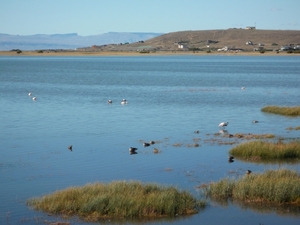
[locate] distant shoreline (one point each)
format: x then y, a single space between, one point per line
123 53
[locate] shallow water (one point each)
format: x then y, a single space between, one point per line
169 97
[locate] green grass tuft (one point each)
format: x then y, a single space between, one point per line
287 111
119 199
277 187
260 150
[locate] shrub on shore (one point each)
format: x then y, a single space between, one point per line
287 111
262 150
118 199
273 186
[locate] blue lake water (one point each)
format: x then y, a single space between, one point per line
169 97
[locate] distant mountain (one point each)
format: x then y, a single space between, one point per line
69 41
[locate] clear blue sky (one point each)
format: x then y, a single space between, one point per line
90 17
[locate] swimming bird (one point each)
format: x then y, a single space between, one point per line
155 151
230 157
124 101
243 88
223 124
109 101
34 98
248 172
70 147
254 121
152 142
146 144
132 150
29 94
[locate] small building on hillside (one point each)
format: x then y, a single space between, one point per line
182 46
250 28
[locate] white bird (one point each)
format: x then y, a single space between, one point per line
124 101
223 124
29 94
243 88
34 98
109 101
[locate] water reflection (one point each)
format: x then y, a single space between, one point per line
262 208
144 220
280 162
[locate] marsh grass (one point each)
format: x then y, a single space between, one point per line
261 150
274 186
119 199
287 111
293 128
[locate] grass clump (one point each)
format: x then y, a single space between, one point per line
117 200
287 111
274 186
293 128
261 150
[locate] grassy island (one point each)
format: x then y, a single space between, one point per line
286 111
273 186
262 150
119 199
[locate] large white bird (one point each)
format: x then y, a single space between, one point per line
223 124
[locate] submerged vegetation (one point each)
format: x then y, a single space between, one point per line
260 150
277 187
287 111
118 199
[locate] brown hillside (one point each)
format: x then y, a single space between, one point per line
233 38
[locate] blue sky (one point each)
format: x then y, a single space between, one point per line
91 17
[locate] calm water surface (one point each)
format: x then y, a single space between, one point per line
169 97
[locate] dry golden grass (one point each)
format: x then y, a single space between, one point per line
120 199
273 186
260 150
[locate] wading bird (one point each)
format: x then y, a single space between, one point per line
223 124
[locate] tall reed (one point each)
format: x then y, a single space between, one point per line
261 150
274 186
287 111
118 199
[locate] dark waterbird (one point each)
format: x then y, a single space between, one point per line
70 147
248 172
132 150
146 144
230 159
